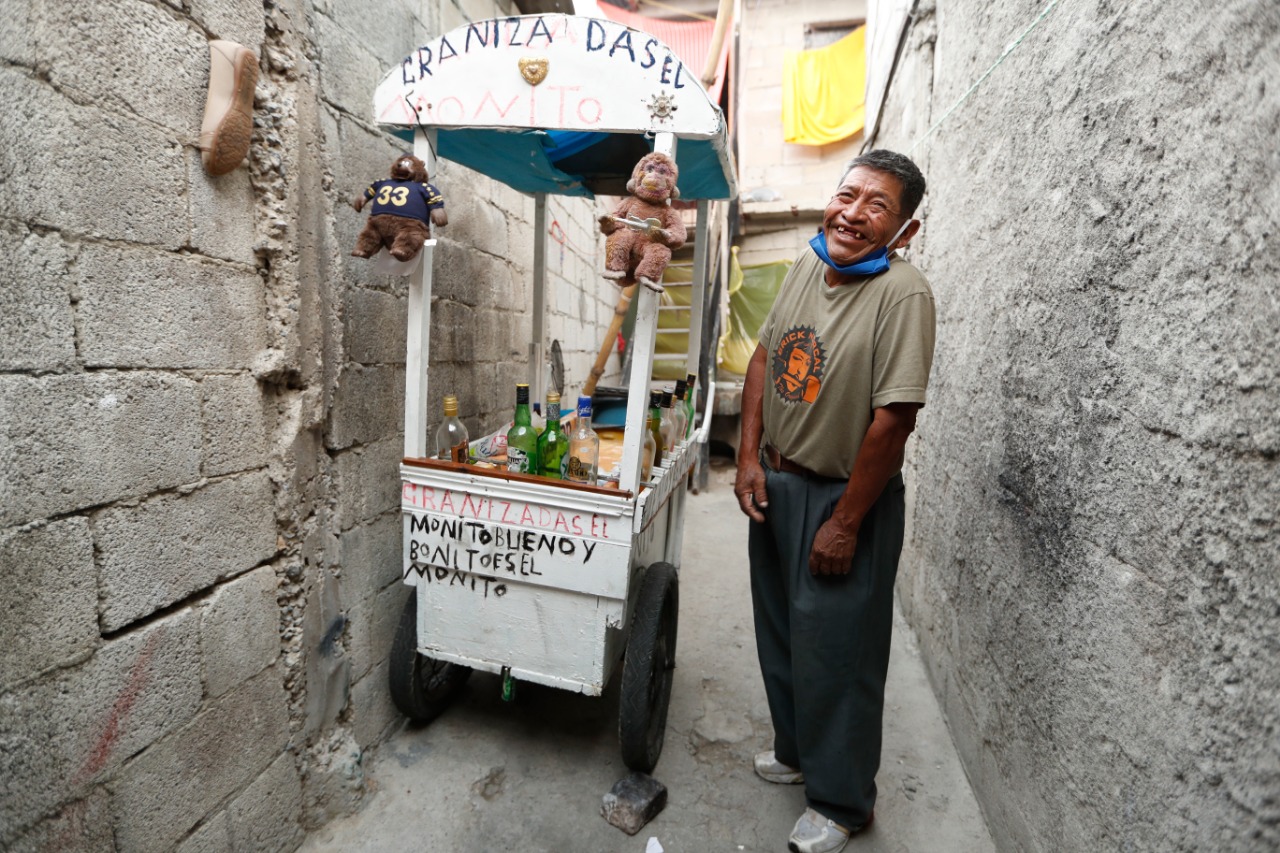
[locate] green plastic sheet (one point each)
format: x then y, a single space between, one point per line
752 290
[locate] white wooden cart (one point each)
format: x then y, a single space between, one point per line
538 580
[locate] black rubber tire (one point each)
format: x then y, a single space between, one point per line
647 669
421 687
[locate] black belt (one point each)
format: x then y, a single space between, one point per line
774 458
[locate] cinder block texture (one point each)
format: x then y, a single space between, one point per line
375 326
237 20
210 837
49 589
68 442
140 308
1091 558
166 548
389 35
17 41
235 431
140 198
240 630
372 627
64 732
368 405
371 556
160 79
222 221
367 482
349 72
37 330
158 796
375 713
264 818
83 826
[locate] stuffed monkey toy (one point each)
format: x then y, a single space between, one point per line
401 206
644 228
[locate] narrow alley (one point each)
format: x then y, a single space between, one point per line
529 776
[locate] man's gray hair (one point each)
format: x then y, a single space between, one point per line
901 167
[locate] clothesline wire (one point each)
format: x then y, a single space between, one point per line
1009 49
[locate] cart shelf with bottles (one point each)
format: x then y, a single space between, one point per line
538 580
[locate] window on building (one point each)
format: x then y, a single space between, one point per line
829 32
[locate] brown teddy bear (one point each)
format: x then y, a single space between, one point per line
401 207
644 228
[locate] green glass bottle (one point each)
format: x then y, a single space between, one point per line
655 425
522 439
553 443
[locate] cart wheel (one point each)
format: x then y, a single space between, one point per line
646 670
421 687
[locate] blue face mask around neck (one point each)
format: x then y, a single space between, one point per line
872 264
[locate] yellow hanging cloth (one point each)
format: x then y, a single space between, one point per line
824 91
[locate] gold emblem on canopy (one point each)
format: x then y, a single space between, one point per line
533 69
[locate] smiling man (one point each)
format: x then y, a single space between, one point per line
831 396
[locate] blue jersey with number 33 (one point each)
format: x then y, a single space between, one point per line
403 198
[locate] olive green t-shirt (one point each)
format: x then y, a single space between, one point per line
836 353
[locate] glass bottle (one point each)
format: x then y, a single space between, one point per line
655 425
690 409
678 412
668 425
584 447
452 440
553 444
522 440
647 455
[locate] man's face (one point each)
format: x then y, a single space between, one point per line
863 214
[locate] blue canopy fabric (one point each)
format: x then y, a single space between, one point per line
525 160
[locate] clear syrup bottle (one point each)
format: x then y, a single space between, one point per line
452 440
668 426
584 447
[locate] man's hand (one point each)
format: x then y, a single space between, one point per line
833 547
750 491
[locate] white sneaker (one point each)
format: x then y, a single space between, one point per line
817 834
770 769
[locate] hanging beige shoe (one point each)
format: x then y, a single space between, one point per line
228 112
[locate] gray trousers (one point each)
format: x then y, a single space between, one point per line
823 641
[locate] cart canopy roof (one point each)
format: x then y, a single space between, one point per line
558 104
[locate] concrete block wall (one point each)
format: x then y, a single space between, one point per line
201 407
803 176
1092 547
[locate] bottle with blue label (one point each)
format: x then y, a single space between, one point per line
584 447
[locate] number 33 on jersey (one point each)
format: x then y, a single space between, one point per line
403 198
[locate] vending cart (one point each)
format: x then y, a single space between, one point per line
538 580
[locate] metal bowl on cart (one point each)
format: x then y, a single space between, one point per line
540 580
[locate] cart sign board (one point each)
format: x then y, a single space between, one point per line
481 545
559 72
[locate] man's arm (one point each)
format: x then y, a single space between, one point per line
878 459
749 486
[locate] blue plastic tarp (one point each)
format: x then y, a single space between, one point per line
526 159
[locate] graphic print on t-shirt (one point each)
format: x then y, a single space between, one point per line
799 362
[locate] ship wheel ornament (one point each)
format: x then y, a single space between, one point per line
662 107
